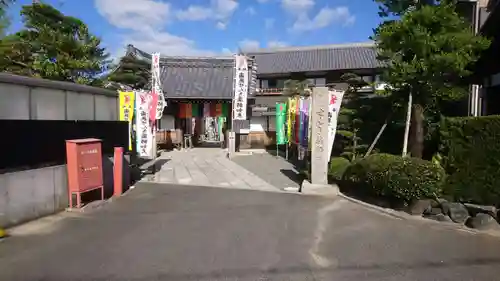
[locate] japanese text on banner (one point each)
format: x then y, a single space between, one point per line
144 134
240 88
127 112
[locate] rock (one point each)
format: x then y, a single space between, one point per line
476 209
457 212
445 206
482 221
418 207
439 217
433 211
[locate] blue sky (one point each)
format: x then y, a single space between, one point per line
213 27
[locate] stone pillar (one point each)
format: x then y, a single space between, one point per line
319 136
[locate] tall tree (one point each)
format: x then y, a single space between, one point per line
53 46
427 52
4 19
132 72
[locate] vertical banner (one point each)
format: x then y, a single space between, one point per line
289 120
127 112
156 86
240 88
280 123
144 134
152 102
291 126
195 110
333 114
218 109
206 110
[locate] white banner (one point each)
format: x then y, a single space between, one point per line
156 84
144 134
333 114
240 88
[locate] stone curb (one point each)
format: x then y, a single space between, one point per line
405 216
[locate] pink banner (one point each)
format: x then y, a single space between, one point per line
152 104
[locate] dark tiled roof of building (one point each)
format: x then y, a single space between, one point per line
196 78
316 58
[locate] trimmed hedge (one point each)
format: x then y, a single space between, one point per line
470 147
338 165
395 178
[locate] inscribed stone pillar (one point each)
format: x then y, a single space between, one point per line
319 136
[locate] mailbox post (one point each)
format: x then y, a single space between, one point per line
84 163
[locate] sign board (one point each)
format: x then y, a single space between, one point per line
240 88
280 124
240 126
335 97
144 133
127 105
319 134
156 85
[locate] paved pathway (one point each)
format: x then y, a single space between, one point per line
188 233
275 170
205 167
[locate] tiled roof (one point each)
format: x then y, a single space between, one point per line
316 58
196 78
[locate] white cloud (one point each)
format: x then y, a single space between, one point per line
221 25
248 45
220 10
324 18
297 7
276 44
165 43
134 14
250 10
269 23
143 23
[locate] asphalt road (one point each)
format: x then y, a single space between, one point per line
190 233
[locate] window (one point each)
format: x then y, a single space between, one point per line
271 83
317 81
280 83
367 79
264 84
320 82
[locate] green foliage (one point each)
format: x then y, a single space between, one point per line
338 165
395 178
470 149
53 46
427 52
297 87
132 72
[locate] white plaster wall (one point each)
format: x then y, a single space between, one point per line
14 102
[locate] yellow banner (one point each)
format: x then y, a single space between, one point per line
127 112
292 106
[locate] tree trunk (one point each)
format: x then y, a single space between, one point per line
407 126
417 132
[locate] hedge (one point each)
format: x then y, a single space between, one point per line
470 150
395 178
338 165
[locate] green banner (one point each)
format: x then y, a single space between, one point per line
280 123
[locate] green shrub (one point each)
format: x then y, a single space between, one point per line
395 178
338 165
470 147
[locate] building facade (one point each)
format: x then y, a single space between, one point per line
199 91
486 78
319 65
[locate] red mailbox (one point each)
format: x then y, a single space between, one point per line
84 162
